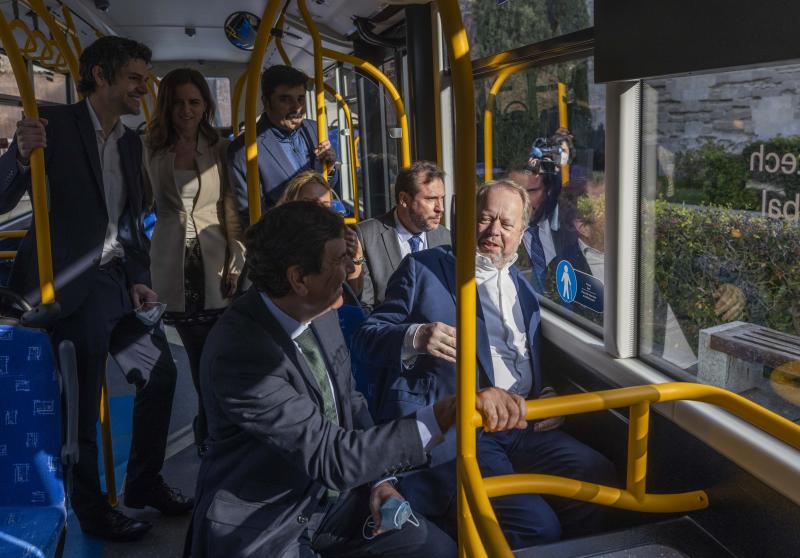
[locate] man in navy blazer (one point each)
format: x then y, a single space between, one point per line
287 141
97 203
412 336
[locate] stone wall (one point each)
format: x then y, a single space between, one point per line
731 108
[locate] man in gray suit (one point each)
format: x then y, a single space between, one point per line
412 225
295 466
287 141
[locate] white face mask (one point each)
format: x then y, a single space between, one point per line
150 312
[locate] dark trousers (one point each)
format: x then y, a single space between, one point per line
104 324
341 534
530 519
193 338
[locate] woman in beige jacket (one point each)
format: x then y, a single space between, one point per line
197 251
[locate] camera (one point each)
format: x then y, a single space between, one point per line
547 156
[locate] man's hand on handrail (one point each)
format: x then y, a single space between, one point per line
30 135
500 410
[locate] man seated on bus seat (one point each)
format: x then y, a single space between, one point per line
287 141
413 224
294 464
412 335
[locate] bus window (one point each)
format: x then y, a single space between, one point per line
221 92
8 85
548 135
720 269
494 26
49 86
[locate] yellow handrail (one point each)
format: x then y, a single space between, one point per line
634 496
347 116
76 40
405 149
13 234
39 202
319 78
253 72
563 122
464 100
488 115
58 36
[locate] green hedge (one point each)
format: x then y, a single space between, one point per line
698 248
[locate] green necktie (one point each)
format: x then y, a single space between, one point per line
310 348
308 344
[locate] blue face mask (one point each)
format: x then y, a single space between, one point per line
394 513
150 312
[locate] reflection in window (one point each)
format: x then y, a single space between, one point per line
221 92
49 85
547 134
494 27
721 237
8 85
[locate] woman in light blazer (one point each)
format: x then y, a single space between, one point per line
197 250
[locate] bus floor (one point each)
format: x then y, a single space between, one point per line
166 538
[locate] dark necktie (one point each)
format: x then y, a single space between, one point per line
538 260
415 242
313 355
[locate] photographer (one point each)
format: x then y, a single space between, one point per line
545 237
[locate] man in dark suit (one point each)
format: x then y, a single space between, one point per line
292 447
412 225
411 334
287 141
97 202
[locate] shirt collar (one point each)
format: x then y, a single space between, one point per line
552 221
484 264
292 327
402 231
116 131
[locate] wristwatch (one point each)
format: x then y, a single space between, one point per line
359 261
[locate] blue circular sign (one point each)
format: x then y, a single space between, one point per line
566 282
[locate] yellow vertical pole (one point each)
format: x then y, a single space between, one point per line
464 97
563 122
69 56
40 213
405 148
73 33
638 428
319 78
250 109
488 115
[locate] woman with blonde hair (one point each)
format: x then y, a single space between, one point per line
311 186
197 249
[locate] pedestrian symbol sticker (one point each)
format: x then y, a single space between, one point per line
566 281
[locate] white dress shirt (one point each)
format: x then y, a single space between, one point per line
505 327
113 183
429 432
505 323
403 234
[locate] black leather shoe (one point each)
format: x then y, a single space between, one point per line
169 501
113 525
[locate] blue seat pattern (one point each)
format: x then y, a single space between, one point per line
32 499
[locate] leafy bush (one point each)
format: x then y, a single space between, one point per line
719 174
699 248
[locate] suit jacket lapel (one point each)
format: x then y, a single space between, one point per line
272 148
530 312
389 237
262 314
89 138
484 356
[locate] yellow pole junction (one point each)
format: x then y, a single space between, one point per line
634 497
40 213
347 116
58 36
405 149
251 108
319 78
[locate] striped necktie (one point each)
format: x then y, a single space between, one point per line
538 261
415 242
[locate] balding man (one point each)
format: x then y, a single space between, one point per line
412 334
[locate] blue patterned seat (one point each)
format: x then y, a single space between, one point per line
32 499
